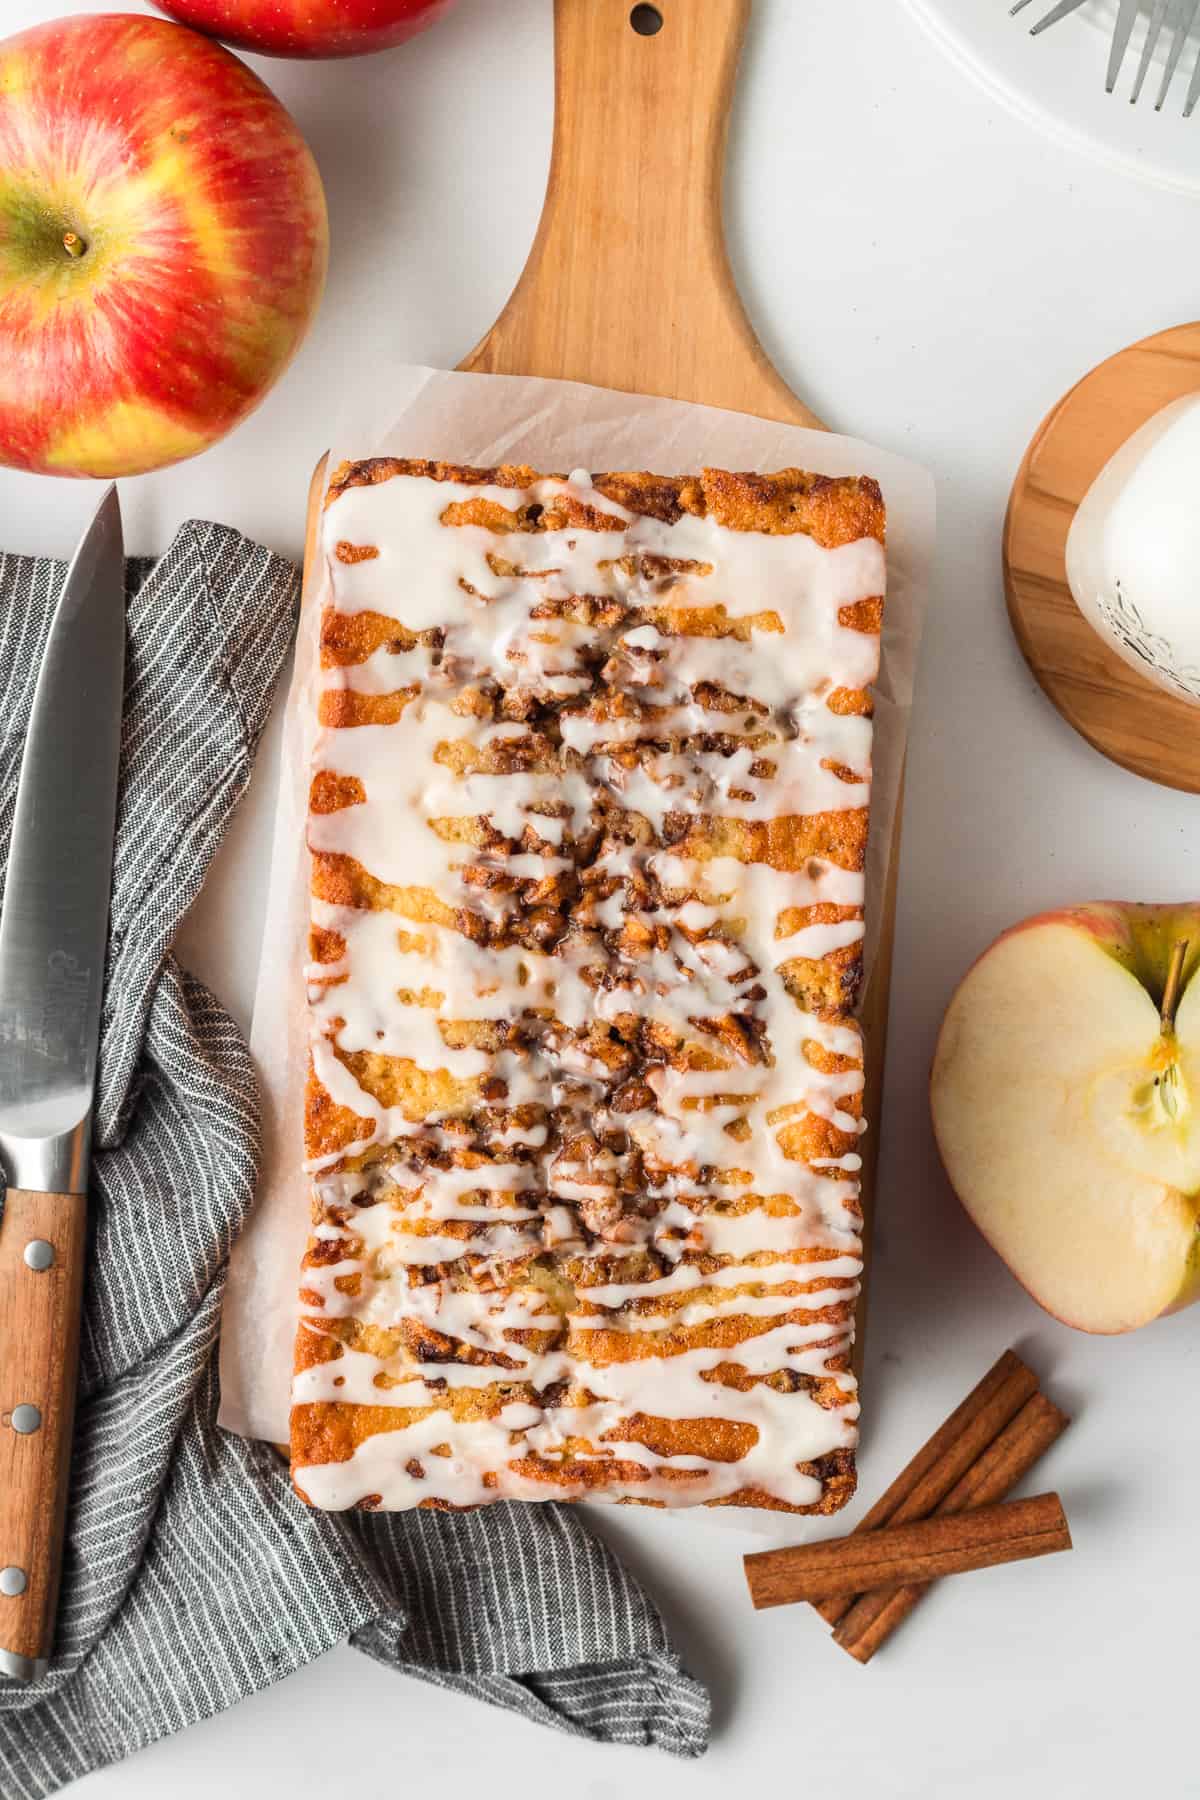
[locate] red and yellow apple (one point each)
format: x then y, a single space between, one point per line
163 244
1066 1106
308 27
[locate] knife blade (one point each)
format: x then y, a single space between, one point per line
53 938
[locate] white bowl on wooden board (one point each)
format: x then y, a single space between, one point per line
1146 725
1133 550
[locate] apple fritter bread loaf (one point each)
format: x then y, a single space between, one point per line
588 823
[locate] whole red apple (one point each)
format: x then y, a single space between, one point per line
308 27
163 244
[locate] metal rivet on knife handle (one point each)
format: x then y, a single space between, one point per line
26 1419
39 1255
12 1581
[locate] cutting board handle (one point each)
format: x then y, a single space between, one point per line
632 216
640 124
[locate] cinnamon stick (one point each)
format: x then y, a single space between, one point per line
871 1619
899 1556
947 1456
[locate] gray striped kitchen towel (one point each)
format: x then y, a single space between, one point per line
193 1575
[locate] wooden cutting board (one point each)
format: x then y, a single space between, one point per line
628 284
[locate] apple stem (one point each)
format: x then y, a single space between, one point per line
73 244
1170 999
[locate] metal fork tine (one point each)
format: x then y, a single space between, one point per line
1055 14
1193 93
1153 32
1185 18
1177 15
1126 19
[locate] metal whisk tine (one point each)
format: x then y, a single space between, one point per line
1185 18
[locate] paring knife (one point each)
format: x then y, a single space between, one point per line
53 934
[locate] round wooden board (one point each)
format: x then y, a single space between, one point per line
1119 712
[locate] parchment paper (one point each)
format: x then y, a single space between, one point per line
552 425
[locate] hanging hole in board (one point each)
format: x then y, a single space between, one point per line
646 20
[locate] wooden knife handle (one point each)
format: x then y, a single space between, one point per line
43 1240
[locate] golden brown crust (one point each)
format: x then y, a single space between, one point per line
537 914
833 509
325 1432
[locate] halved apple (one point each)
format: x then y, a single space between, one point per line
1066 1107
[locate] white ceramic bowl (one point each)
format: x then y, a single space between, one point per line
1133 551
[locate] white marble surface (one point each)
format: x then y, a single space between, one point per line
927 272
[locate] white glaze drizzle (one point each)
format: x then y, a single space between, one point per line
449 1298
